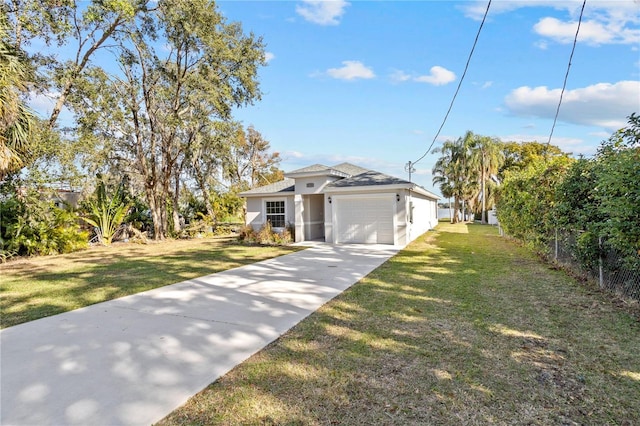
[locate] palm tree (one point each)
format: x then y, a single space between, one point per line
16 119
487 157
452 172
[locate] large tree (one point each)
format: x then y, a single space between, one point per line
251 162
486 158
453 171
81 28
182 68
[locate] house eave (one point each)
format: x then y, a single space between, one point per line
367 188
378 188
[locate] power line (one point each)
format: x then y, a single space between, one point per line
410 164
566 76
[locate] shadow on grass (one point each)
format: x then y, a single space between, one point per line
93 276
464 329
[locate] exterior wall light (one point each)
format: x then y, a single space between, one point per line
397 197
329 198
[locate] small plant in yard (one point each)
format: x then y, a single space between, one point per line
106 213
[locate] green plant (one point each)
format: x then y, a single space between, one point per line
30 224
106 213
266 235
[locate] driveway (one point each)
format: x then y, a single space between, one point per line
131 361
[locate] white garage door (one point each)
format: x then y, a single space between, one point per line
364 220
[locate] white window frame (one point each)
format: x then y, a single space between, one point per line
284 212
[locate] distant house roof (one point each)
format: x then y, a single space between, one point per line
283 186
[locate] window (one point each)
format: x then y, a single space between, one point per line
275 213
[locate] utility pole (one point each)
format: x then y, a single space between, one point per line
409 168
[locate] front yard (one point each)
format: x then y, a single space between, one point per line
43 286
461 327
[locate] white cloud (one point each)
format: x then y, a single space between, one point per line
398 76
269 56
322 12
605 105
591 32
487 84
438 76
351 70
604 22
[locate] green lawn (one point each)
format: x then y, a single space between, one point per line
43 286
461 327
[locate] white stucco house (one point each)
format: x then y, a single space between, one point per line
344 204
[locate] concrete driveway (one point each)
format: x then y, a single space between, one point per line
131 361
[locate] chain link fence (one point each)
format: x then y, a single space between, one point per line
608 270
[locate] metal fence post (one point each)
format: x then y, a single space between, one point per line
600 271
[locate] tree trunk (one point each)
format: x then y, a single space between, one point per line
484 195
177 226
201 181
456 208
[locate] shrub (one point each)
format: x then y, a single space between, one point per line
266 235
32 226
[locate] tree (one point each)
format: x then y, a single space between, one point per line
79 28
205 168
251 163
520 155
527 199
452 171
150 116
16 119
486 158
617 194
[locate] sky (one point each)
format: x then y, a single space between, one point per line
370 82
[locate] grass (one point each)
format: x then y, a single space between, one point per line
461 327
42 286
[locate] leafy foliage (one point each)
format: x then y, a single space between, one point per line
16 119
465 171
106 212
266 235
30 224
527 198
597 197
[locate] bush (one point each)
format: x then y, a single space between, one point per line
31 225
266 235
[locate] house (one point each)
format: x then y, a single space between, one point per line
343 204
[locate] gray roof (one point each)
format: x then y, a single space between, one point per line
356 177
350 169
310 169
368 178
285 185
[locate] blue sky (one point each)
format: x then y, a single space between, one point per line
369 82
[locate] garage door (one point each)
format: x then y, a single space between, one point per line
364 220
